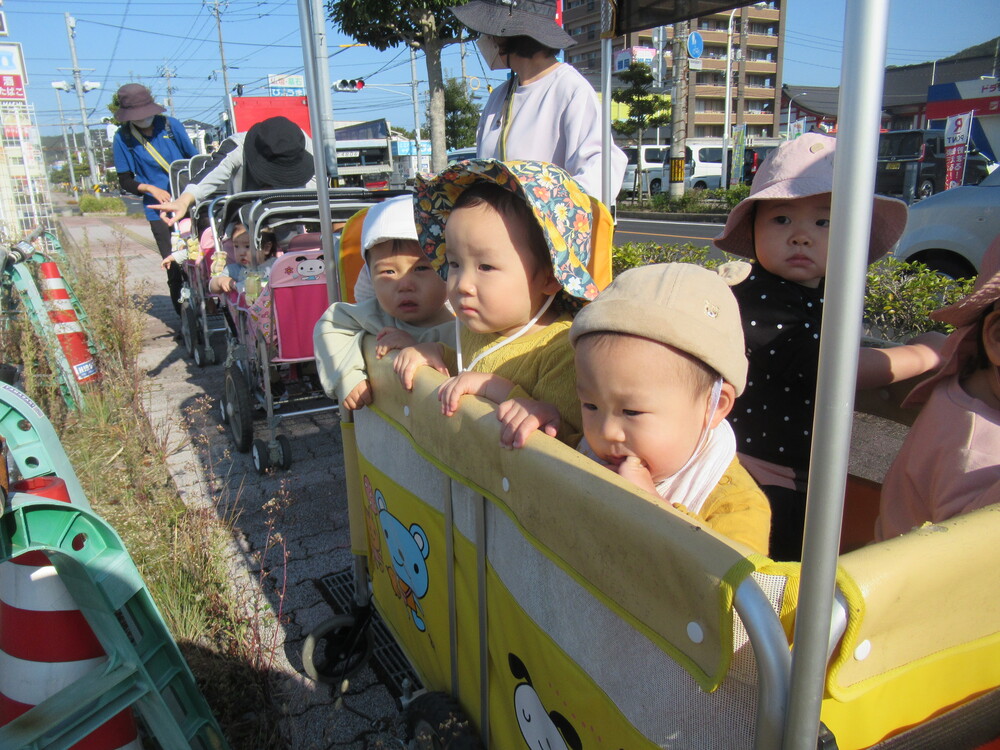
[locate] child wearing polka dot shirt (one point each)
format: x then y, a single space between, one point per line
784 226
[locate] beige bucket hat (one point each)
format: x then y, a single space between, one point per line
682 305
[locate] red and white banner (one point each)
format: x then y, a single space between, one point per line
956 145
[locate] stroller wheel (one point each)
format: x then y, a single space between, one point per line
435 721
284 457
337 649
222 410
188 322
199 355
260 456
238 409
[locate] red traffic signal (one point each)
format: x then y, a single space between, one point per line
350 85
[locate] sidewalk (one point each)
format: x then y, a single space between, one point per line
309 511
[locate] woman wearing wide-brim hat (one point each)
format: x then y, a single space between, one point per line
273 154
546 111
144 146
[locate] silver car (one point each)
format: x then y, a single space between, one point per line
950 231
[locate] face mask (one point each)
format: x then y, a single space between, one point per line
143 123
490 51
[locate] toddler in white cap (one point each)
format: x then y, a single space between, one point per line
408 306
659 363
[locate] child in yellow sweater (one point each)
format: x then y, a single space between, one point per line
516 238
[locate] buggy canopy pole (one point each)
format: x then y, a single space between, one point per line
862 72
607 31
312 23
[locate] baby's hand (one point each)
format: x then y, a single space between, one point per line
224 284
452 390
412 357
359 397
390 338
522 416
635 471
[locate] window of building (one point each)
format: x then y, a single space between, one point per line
709 105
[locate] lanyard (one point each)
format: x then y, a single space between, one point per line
149 147
508 115
490 350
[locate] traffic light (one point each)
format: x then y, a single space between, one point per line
350 85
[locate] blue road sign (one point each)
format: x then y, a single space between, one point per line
696 45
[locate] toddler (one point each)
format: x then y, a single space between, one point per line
659 362
234 275
784 226
950 461
516 237
408 304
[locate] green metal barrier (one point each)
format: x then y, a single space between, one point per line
144 669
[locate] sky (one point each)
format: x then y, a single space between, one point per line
124 41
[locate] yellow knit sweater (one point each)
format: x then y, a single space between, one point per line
539 364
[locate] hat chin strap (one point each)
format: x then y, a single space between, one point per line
485 353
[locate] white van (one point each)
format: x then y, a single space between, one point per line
654 177
703 163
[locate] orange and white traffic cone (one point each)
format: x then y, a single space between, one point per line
70 333
46 643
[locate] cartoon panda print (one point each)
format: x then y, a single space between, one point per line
540 730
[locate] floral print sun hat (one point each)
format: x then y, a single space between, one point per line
558 203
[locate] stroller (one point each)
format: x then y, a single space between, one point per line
269 363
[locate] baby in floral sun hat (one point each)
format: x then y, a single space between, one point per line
514 242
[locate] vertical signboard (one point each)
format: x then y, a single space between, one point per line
956 143
12 74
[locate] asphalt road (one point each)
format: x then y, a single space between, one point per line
665 232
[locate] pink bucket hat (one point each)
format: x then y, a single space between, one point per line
800 169
961 343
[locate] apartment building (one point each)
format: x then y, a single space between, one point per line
757 45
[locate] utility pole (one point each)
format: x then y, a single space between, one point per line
225 70
678 110
168 74
416 105
465 78
64 86
78 84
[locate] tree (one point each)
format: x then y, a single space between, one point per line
461 115
646 110
420 24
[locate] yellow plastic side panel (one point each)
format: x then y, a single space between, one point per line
539 697
351 261
409 572
355 497
914 694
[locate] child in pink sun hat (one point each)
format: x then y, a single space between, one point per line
784 226
950 461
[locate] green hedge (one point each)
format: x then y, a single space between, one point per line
91 204
899 296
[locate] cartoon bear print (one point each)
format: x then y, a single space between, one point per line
407 550
540 730
309 269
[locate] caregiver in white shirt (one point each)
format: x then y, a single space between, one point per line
546 111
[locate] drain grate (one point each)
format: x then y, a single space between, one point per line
388 662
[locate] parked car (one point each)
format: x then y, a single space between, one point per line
900 151
653 170
461 154
950 231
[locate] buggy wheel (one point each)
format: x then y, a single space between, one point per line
337 649
188 323
283 459
238 411
222 409
435 721
260 455
199 355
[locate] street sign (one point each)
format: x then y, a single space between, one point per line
695 45
286 85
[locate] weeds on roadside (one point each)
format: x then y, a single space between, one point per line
182 552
